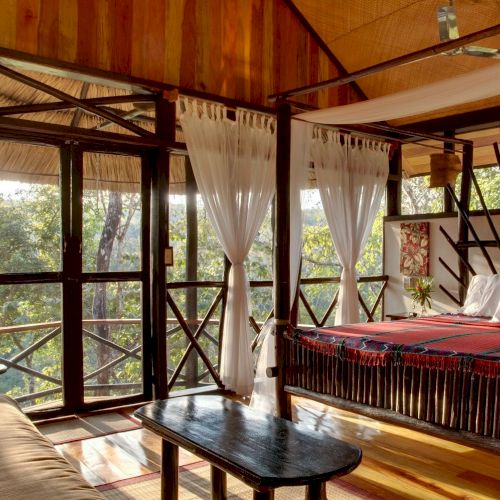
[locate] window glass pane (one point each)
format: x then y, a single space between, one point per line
30 343
112 339
489 183
30 208
111 213
418 198
210 256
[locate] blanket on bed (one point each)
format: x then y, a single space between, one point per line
447 342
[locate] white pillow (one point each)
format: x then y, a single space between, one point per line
472 303
496 316
491 296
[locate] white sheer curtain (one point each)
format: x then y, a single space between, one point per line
234 167
264 392
351 175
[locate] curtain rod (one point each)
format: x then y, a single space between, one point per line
400 140
233 107
382 126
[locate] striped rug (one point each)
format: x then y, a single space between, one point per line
194 484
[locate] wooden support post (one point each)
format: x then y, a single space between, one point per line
462 259
282 250
463 230
147 352
465 217
483 203
227 268
316 491
160 165
71 188
191 267
394 183
449 147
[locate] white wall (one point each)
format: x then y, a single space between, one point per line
397 299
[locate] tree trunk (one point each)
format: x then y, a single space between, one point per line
103 257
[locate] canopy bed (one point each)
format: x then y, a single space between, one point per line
443 370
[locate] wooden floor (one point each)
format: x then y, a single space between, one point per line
397 462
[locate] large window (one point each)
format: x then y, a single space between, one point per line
71 280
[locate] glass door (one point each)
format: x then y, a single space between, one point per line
114 277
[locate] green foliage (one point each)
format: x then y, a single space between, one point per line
421 293
418 198
489 183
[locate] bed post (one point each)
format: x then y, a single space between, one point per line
282 251
463 231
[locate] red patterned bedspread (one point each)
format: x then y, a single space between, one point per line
448 341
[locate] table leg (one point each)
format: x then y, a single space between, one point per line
218 477
316 491
169 471
259 495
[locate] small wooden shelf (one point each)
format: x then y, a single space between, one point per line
400 315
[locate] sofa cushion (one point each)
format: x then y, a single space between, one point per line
30 466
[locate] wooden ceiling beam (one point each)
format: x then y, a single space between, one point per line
58 94
418 55
134 114
60 105
78 113
10 127
322 45
65 69
463 122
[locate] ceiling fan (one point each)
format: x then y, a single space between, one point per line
448 30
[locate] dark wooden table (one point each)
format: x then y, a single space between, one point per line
265 452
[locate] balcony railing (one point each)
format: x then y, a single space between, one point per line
44 384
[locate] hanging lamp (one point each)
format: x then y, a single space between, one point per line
444 169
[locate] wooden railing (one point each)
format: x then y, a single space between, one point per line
193 329
54 327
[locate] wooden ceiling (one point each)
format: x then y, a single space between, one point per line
416 157
362 33
248 49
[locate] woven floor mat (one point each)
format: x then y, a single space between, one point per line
194 484
78 428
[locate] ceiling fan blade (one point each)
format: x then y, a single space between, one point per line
481 52
447 22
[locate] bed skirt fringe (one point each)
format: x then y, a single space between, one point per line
455 392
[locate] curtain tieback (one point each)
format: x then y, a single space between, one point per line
348 271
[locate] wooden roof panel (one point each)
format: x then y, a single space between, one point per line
362 33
